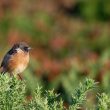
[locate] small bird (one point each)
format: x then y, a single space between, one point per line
16 59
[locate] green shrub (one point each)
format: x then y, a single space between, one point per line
13 96
103 102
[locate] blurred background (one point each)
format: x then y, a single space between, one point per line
70 41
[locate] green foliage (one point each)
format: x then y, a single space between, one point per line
80 93
46 102
103 102
13 96
12 93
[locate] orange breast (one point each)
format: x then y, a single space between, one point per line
18 62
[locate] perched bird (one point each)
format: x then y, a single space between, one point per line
16 59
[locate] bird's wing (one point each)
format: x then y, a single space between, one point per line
4 63
5 60
7 57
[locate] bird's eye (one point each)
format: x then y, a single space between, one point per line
26 49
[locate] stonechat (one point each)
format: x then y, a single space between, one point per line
16 59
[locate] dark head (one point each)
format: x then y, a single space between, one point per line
22 45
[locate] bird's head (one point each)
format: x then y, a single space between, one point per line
21 46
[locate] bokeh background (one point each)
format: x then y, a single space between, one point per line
70 41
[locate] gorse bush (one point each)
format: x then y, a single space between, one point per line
80 93
104 102
13 96
12 93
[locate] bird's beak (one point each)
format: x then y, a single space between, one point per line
29 48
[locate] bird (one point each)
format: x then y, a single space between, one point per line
16 59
